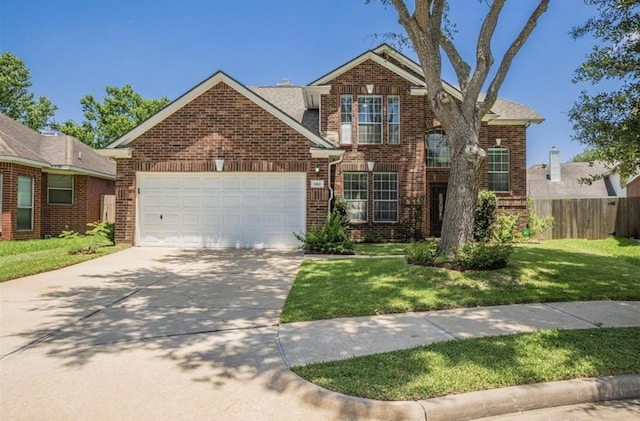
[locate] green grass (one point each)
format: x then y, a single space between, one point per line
23 258
381 249
482 363
558 270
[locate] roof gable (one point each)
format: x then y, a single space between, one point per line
215 79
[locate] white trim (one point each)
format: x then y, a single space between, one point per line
115 153
309 93
326 153
369 55
497 122
216 78
56 168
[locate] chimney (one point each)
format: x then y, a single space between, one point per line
285 82
554 164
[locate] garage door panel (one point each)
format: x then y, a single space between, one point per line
221 209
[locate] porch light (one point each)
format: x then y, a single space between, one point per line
317 170
219 164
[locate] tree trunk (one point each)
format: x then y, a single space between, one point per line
462 190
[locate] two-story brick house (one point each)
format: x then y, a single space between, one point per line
230 166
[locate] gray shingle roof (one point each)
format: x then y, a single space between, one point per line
506 110
290 100
18 142
538 184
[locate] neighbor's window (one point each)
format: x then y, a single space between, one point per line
60 189
369 119
498 169
393 119
25 203
385 197
438 155
356 185
346 118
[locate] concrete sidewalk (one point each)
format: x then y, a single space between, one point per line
327 340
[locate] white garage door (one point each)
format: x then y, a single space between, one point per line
239 210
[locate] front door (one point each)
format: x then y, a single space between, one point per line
438 196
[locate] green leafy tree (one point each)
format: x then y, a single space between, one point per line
609 122
428 31
15 99
121 110
587 155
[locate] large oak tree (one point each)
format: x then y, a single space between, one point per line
608 122
426 27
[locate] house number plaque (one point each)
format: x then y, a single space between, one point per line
317 184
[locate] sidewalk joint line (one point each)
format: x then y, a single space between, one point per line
280 349
442 329
571 315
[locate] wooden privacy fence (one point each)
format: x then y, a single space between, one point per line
591 219
108 208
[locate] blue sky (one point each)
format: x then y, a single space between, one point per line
164 48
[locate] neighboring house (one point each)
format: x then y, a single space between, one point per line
633 187
558 180
226 165
48 183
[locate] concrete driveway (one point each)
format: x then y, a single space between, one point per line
150 333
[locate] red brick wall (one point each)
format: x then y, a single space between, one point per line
87 192
10 173
633 188
408 158
220 123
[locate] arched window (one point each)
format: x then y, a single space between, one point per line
438 155
498 168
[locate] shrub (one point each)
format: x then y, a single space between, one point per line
373 238
485 215
101 229
504 227
537 225
332 237
482 255
422 252
340 208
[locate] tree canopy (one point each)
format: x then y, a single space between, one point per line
121 110
427 28
608 122
15 99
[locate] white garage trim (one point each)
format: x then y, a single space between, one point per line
216 209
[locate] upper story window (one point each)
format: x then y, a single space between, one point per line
346 118
356 187
25 203
498 158
60 189
369 119
393 119
438 155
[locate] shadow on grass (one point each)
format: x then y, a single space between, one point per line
469 365
353 287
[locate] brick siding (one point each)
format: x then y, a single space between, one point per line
220 123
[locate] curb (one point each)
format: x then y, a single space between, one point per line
468 406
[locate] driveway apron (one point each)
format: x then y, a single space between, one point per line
150 333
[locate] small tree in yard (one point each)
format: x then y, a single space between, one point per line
425 26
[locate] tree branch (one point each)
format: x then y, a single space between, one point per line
460 66
484 57
496 83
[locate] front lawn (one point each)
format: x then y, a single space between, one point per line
381 249
482 363
557 270
23 258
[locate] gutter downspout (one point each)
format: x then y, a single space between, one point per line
339 160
